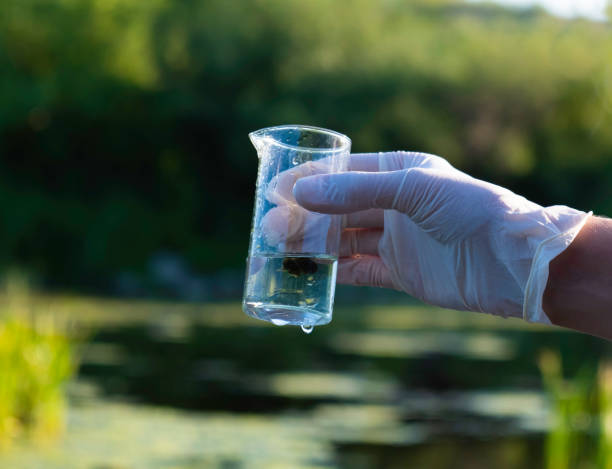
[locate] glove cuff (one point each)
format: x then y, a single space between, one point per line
569 223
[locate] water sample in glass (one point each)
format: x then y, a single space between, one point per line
293 255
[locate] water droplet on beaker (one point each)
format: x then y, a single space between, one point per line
307 328
296 160
279 322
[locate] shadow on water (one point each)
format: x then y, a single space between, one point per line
445 453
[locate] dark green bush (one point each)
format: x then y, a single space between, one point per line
123 124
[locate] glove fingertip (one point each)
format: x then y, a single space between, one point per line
306 191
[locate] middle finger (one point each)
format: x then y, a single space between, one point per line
371 218
363 242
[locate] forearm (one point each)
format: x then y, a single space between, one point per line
578 294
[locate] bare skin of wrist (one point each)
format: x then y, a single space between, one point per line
578 294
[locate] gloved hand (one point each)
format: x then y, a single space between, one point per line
419 225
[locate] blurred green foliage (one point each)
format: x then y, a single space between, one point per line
123 123
580 432
37 357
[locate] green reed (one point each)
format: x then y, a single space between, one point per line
36 360
580 434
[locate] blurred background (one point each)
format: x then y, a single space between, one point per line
126 193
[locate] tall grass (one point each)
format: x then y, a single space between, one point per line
605 415
36 361
581 428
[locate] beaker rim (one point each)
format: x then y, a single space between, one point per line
345 142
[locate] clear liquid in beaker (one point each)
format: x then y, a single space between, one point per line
287 288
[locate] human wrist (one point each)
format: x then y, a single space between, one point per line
564 225
578 294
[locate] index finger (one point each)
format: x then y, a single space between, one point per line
280 187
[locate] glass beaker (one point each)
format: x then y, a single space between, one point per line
293 253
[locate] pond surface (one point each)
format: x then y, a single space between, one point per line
165 385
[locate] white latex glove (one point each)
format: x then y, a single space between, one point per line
419 225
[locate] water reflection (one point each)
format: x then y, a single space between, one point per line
478 345
329 385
